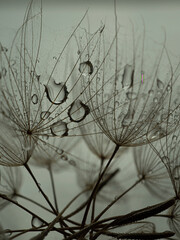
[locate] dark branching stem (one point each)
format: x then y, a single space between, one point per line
31 200
138 215
40 189
97 185
119 197
125 219
140 236
53 188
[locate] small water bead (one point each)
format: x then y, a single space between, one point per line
128 118
168 88
78 111
34 99
35 222
127 77
56 92
131 95
59 128
72 162
44 115
64 157
151 92
3 72
176 173
155 100
86 68
4 49
160 84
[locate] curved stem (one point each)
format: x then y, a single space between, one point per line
97 185
31 200
120 196
40 189
53 188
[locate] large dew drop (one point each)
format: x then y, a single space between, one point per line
86 68
56 92
78 111
127 77
59 128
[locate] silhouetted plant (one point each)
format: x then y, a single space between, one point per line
82 114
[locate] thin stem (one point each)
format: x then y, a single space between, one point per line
97 185
53 188
40 189
31 200
22 207
116 199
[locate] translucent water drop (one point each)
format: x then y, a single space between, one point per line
35 222
131 95
59 128
86 68
64 157
176 173
78 111
165 159
56 92
168 88
44 115
128 118
155 100
150 92
160 84
34 99
128 77
3 72
4 49
72 162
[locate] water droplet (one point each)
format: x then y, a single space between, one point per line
44 115
64 157
176 173
128 118
165 159
131 95
34 99
168 88
3 72
155 100
150 92
160 84
86 68
72 162
4 49
56 92
35 222
59 128
128 77
78 111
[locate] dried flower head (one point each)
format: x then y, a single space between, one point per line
174 218
133 89
152 171
168 151
10 183
37 101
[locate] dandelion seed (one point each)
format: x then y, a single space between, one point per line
10 183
